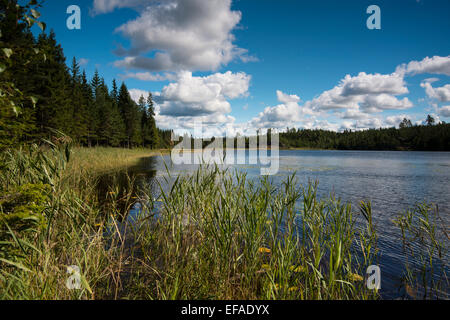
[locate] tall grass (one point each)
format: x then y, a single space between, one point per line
50 220
424 235
219 235
215 234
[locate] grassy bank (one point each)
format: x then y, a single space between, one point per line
214 235
102 159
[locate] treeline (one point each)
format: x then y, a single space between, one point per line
41 94
430 137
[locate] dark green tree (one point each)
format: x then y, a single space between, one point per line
406 123
19 56
131 117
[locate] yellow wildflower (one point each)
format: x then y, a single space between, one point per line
355 277
264 250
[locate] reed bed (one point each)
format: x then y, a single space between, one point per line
212 235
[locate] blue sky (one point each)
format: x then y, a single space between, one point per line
246 64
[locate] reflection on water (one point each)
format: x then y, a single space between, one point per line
126 186
392 181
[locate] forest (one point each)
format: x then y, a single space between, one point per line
408 137
40 94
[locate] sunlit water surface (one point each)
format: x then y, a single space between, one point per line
392 181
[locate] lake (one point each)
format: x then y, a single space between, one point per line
392 181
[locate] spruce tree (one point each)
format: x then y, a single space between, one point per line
118 137
18 55
130 114
153 129
80 116
88 101
54 107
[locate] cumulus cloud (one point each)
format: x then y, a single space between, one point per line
434 65
355 103
442 94
287 98
377 103
445 111
136 94
105 6
313 123
354 98
191 99
353 114
394 121
431 80
213 125
287 113
147 76
368 124
373 84
369 92
198 96
177 34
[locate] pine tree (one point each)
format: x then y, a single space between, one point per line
94 110
130 114
154 133
118 136
145 133
88 101
80 115
54 108
17 114
39 92
115 92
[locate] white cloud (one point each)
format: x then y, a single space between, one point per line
286 98
313 123
353 114
147 76
285 114
378 103
370 92
136 94
354 98
431 80
445 111
197 96
178 34
351 104
442 94
394 121
182 104
373 84
368 123
105 6
434 65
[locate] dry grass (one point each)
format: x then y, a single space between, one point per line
214 235
102 160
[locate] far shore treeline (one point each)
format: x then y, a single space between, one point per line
40 93
429 137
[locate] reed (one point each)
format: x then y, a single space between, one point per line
214 234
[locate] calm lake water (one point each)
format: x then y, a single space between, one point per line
392 181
